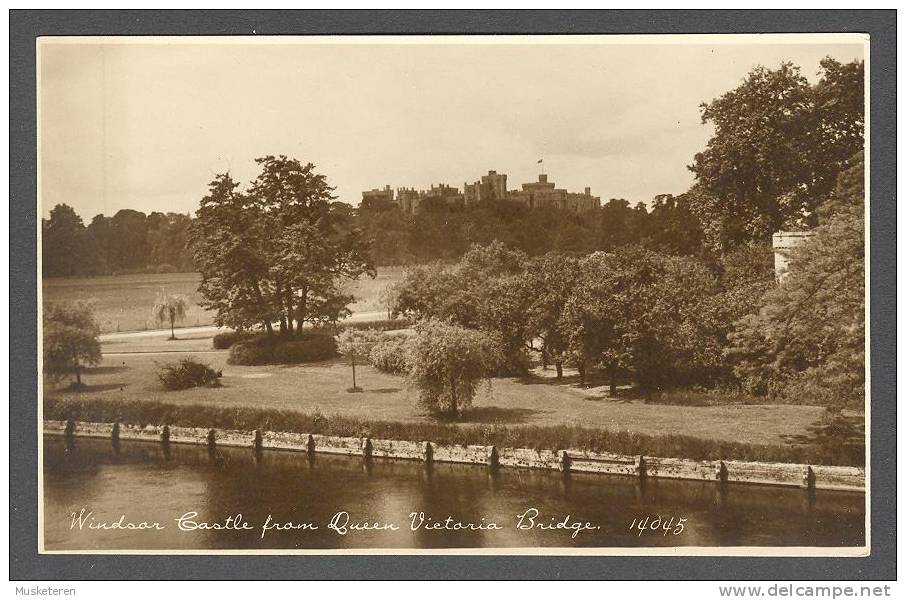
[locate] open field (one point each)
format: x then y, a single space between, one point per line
127 374
123 302
368 291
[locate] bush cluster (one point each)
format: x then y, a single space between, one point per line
223 341
379 325
308 348
264 350
389 355
187 373
255 351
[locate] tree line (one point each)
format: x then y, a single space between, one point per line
658 321
128 242
131 241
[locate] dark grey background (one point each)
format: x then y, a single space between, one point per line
26 563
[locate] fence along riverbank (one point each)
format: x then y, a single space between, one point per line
813 477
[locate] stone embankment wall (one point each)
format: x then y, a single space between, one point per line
580 461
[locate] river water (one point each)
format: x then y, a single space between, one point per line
144 482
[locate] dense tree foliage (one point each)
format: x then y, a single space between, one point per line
447 364
806 341
277 252
550 281
442 232
485 290
637 312
70 339
65 243
128 242
778 145
655 319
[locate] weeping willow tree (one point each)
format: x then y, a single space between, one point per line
170 308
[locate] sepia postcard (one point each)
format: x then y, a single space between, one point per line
539 295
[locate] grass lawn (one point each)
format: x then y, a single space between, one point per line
367 291
127 373
123 302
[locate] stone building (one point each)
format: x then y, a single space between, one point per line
378 195
783 242
444 192
490 187
541 194
408 199
544 194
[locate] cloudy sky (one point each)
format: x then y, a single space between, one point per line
147 125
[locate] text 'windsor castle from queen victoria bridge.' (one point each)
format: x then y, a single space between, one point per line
493 186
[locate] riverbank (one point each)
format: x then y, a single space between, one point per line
535 437
808 476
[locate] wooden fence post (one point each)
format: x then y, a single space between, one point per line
808 478
493 459
565 461
640 467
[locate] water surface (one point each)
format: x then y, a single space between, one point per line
144 482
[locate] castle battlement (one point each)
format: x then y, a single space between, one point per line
489 188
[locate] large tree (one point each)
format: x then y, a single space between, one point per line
63 244
550 280
778 145
228 242
168 239
129 239
637 312
279 252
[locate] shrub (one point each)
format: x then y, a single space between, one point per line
310 347
389 355
263 350
162 268
225 340
187 373
253 351
379 324
70 339
448 363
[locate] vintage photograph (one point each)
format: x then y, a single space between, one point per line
564 294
